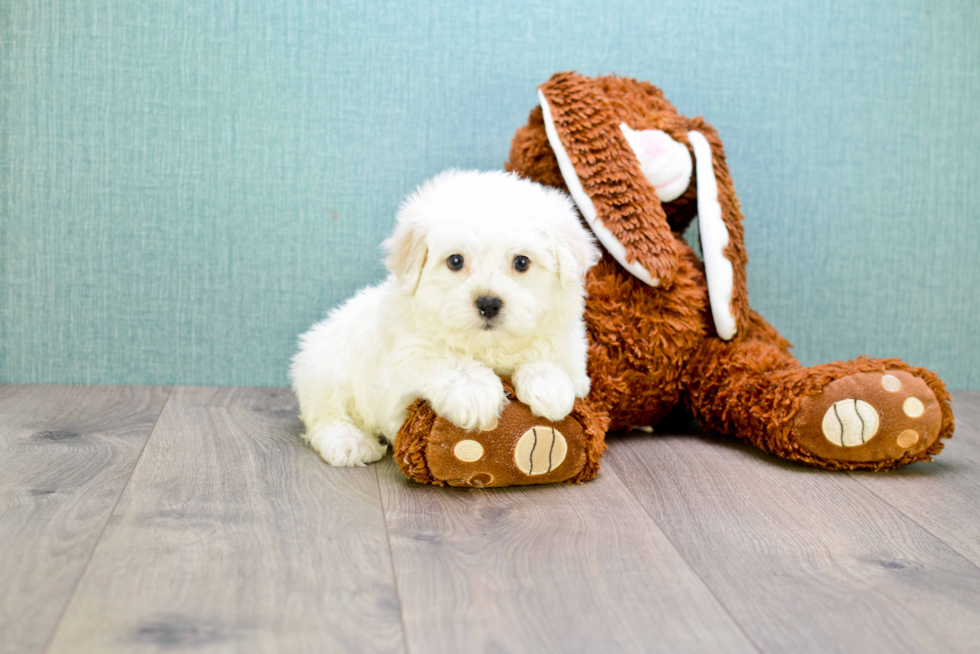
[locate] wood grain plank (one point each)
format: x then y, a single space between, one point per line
544 568
232 535
805 560
944 495
66 453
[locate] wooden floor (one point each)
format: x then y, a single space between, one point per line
146 519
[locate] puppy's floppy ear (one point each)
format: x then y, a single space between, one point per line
575 252
407 253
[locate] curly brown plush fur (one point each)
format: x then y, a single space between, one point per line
653 348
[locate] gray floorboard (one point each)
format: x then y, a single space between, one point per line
942 496
221 531
547 568
66 453
234 536
807 560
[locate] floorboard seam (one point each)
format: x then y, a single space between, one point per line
91 555
914 521
391 559
690 565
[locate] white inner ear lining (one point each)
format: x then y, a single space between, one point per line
584 202
714 239
714 235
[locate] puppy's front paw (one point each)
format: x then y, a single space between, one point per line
546 388
344 445
471 397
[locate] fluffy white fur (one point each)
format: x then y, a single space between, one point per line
419 333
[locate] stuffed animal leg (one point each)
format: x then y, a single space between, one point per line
523 449
866 414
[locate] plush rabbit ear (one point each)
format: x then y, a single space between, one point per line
722 233
604 177
718 270
407 253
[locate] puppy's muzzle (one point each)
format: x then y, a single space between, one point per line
488 306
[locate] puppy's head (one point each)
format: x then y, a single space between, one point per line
490 256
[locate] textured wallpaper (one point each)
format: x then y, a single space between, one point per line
185 187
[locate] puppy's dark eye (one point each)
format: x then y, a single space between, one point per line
455 262
521 263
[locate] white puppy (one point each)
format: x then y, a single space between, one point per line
487 278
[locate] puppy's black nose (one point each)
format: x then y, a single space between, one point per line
489 306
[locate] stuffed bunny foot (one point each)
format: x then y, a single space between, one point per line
870 417
865 414
522 449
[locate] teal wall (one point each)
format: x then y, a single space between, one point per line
185 187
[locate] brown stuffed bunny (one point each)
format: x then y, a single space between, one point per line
666 329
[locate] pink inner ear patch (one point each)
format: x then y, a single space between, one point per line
653 141
665 163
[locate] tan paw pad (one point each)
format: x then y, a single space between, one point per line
468 451
913 407
540 450
891 383
850 422
480 480
907 438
